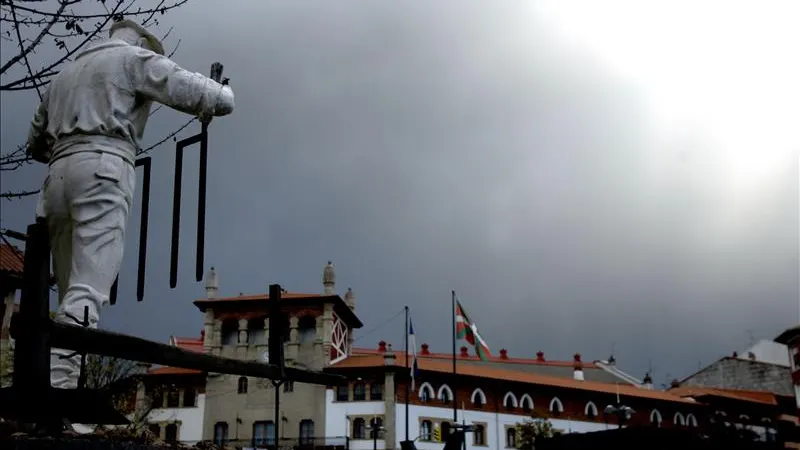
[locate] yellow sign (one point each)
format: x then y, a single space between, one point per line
437 434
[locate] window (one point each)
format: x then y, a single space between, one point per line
306 432
376 391
342 394
478 398
359 428
511 437
478 434
288 386
556 407
445 394
230 332
527 403
189 397
678 419
173 398
691 420
510 402
155 429
255 332
359 392
425 430
220 433
307 329
242 385
590 410
171 433
655 418
158 398
796 358
375 428
263 433
425 393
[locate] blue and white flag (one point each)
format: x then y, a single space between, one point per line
412 345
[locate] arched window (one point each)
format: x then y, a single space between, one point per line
171 433
425 392
478 398
556 407
242 389
445 394
306 432
655 418
691 420
425 430
510 401
220 433
359 392
359 428
307 329
230 332
678 420
590 410
527 403
511 437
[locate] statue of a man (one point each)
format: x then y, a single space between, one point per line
87 128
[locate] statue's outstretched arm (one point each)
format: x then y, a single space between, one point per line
38 144
159 79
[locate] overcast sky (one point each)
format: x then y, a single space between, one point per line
586 177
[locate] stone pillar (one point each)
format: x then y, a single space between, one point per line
318 340
141 399
294 341
389 404
216 347
241 347
208 340
262 347
327 332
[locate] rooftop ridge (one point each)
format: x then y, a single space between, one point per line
448 356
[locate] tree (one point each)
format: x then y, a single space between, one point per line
6 365
45 35
532 429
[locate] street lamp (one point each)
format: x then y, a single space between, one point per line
375 429
622 412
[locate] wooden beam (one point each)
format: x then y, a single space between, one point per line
118 345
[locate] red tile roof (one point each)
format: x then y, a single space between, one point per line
173 371
191 344
448 356
764 397
11 260
475 370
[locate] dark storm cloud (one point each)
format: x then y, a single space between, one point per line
425 148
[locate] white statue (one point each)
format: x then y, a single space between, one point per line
87 128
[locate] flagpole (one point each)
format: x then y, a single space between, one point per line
408 386
455 376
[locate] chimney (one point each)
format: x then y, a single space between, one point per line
612 360
503 353
388 357
674 383
212 283
577 368
751 356
735 354
329 279
648 381
382 346
540 356
425 350
464 353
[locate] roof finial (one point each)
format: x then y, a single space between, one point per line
212 283
329 279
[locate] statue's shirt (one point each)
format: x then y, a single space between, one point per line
101 101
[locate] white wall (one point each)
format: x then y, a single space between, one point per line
496 423
191 419
769 352
336 423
